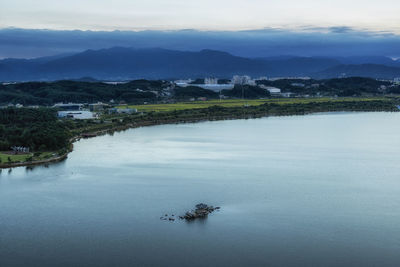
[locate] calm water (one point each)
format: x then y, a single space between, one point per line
318 190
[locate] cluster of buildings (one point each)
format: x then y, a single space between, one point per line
91 111
88 111
209 84
20 149
11 105
214 85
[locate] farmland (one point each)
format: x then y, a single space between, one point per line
240 103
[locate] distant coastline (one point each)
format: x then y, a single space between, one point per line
218 113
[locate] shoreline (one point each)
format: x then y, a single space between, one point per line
201 117
38 162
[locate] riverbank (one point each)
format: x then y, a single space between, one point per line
267 175
53 159
212 113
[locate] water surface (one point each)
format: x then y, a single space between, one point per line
317 190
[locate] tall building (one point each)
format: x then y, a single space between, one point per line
245 79
211 81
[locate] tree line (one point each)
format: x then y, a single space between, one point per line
38 129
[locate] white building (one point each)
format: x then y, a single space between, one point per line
122 110
272 90
183 83
289 78
78 114
211 81
69 106
287 94
298 84
237 79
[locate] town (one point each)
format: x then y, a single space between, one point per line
89 100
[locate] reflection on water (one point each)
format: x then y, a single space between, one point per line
320 190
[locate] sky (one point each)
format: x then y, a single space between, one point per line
382 15
250 28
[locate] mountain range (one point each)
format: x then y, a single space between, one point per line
122 63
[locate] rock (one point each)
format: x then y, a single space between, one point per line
201 206
202 210
200 213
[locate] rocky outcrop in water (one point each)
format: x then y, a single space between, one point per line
202 210
168 218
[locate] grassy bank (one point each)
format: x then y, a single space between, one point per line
5 157
240 103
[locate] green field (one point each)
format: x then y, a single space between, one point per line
23 157
239 102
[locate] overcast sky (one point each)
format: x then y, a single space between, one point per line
382 15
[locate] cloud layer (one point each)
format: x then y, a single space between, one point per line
203 15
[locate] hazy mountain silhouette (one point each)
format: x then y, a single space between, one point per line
120 63
363 70
323 42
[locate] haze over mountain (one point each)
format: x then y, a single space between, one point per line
363 70
305 42
121 63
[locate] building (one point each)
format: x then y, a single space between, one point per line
287 94
243 80
69 106
298 84
183 83
211 81
289 78
20 149
99 106
122 110
77 114
272 90
382 88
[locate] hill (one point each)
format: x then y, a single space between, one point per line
364 70
121 63
127 63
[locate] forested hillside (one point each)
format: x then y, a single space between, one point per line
37 129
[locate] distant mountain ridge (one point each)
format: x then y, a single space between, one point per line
362 70
122 63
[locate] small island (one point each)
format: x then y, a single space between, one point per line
201 211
